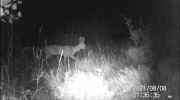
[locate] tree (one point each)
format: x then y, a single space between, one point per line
7 10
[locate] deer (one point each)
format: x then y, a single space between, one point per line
65 51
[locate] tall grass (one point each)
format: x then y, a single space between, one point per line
104 72
100 75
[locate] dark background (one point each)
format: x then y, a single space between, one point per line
89 18
96 20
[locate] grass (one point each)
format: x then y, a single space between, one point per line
100 74
104 72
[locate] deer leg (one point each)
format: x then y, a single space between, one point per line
65 60
64 65
74 59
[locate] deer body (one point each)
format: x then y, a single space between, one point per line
66 51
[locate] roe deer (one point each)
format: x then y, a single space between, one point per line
67 51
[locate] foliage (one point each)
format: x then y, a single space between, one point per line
7 10
104 72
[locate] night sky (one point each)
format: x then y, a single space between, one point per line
60 16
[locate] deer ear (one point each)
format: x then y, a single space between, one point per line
80 39
83 39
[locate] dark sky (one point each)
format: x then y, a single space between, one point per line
58 16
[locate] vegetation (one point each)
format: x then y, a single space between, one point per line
105 71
